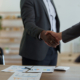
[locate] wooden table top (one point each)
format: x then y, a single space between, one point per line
72 74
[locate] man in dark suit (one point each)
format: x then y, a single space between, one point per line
38 17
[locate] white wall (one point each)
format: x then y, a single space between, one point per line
9 5
68 11
69 14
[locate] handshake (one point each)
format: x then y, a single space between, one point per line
51 38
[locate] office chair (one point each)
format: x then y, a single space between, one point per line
78 59
2 57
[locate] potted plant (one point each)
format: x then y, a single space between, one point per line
7 50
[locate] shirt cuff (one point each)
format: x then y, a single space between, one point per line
39 36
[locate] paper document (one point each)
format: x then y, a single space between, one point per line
25 76
42 69
62 68
16 69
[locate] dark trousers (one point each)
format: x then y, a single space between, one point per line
50 59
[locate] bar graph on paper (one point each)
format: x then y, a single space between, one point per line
25 76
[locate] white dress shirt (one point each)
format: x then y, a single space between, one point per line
51 14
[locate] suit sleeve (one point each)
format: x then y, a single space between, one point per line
28 17
71 33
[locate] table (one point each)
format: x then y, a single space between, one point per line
72 74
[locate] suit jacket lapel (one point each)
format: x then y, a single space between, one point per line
53 5
57 19
45 9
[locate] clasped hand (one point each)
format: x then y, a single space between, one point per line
51 38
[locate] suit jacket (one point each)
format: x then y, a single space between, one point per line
71 33
35 19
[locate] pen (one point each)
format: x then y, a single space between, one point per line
27 68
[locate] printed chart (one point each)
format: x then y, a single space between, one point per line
16 69
42 69
25 76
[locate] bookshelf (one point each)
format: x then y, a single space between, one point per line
11 32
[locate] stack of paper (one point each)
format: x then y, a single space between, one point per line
25 76
18 75
34 68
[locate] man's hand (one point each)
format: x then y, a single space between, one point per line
58 36
49 39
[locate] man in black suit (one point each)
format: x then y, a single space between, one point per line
38 17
